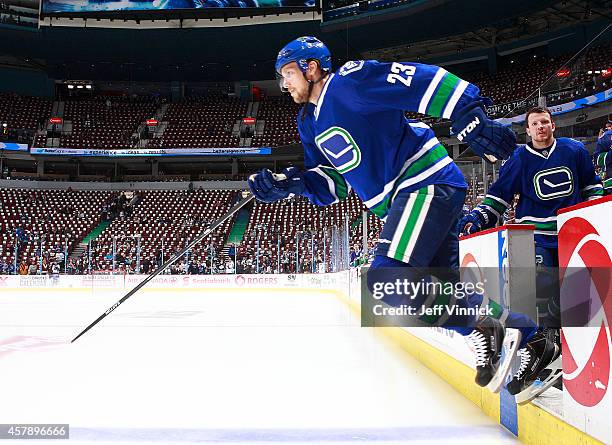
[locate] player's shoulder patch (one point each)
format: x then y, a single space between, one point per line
350 67
514 157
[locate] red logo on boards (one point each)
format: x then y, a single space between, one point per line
588 382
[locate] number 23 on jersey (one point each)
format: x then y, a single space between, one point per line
401 73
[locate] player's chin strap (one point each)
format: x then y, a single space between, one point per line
311 84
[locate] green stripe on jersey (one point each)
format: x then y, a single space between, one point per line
423 163
339 182
381 209
598 191
340 185
545 226
444 92
408 229
493 203
496 309
436 153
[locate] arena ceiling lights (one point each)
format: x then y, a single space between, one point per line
78 84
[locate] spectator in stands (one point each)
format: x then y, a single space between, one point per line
229 266
146 266
193 268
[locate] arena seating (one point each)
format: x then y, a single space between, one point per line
279 114
166 220
23 112
205 121
522 80
55 216
374 226
105 123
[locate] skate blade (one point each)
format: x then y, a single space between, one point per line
512 338
539 386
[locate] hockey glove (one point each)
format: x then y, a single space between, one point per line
270 187
483 135
471 223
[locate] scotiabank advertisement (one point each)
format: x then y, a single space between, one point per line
338 280
585 242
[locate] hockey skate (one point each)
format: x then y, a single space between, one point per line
539 368
495 349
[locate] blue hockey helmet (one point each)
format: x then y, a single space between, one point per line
302 50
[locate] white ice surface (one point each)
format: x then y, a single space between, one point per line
172 367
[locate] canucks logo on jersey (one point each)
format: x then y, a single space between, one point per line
340 148
553 183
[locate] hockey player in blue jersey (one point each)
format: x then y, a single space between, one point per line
603 156
356 137
548 174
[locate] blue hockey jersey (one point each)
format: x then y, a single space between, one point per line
358 137
603 158
546 180
604 143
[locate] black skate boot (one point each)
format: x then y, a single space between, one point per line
495 348
539 353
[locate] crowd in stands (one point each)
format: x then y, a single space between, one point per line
156 224
135 232
38 228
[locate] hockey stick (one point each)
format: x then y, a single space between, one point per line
164 266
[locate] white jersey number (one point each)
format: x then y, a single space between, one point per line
400 72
